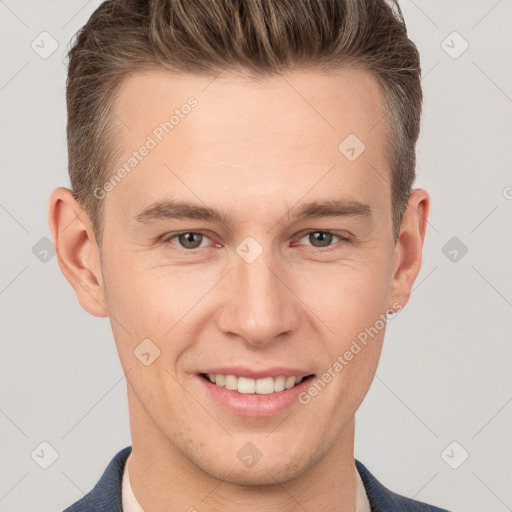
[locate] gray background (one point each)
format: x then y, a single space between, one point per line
445 369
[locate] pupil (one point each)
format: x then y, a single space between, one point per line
322 237
189 240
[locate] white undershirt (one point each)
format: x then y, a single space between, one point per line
130 503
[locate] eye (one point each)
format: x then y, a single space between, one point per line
321 239
187 239
190 240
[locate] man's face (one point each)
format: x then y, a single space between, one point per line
258 293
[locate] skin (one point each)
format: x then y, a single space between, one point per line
256 151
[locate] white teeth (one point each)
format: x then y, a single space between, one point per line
265 386
247 385
289 382
279 383
231 382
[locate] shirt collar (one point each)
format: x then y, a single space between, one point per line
131 504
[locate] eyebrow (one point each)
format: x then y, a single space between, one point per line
172 209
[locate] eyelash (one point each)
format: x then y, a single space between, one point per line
167 239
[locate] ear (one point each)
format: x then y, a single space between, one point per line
77 251
409 247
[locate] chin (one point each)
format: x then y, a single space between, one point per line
263 472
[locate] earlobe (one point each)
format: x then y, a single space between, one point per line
76 249
408 251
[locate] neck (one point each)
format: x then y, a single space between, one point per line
163 479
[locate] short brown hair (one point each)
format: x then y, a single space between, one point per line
259 37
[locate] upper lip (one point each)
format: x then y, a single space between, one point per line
244 371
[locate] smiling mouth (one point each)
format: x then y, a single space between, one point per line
246 385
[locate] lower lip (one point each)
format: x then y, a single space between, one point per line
253 405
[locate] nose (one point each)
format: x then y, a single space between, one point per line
260 305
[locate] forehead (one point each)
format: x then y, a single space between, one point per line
327 103
251 138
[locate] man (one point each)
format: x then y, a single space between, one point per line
242 211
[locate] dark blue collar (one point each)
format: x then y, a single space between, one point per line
106 494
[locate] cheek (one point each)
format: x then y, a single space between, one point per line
152 299
347 297
351 301
156 311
